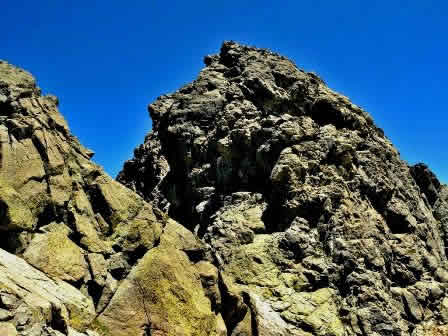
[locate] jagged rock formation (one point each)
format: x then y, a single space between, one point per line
80 254
316 225
298 216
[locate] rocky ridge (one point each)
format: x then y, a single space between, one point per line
80 254
262 203
314 223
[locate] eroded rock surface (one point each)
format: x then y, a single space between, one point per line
80 254
316 225
276 207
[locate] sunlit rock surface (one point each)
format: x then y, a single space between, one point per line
81 239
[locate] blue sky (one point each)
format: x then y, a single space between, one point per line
106 60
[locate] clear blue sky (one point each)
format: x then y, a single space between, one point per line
106 60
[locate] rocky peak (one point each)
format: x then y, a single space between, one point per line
262 203
246 106
304 203
16 83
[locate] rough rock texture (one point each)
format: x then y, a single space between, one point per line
80 254
316 225
31 302
297 216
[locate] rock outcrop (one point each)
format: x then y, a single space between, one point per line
315 224
262 203
80 254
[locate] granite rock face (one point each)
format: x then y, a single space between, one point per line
81 254
314 223
262 203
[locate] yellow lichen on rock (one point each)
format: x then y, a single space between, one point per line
56 255
15 214
163 293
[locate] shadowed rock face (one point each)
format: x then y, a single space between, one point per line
80 254
316 225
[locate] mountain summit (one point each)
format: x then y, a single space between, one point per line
304 203
262 203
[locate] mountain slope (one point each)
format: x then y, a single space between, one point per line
309 213
80 254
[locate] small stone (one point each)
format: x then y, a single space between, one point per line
412 304
9 301
442 275
118 266
435 290
5 315
98 266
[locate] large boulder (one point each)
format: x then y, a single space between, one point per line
57 256
164 294
33 302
